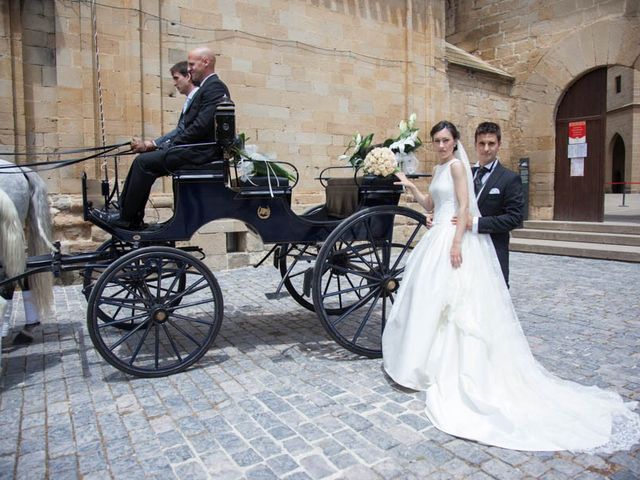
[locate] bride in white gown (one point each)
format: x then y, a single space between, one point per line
454 333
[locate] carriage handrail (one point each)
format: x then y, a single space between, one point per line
323 179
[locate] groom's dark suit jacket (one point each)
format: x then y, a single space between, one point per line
501 204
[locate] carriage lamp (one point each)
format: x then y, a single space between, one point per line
225 122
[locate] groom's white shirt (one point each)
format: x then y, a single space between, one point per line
490 166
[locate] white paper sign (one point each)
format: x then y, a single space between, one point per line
577 167
577 150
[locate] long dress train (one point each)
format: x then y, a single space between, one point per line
455 334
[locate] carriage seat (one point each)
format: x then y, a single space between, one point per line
341 197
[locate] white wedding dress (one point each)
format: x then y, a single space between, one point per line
455 334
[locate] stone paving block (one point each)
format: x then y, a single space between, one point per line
298 476
500 469
191 470
296 445
178 453
316 466
293 394
260 472
624 474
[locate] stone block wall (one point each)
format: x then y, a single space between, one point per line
546 45
305 76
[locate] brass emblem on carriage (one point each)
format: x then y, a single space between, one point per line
264 212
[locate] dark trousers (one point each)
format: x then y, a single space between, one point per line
144 170
150 165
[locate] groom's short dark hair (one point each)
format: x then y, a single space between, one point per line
489 127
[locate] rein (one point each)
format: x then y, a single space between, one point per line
101 151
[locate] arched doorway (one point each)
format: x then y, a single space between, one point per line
580 132
617 164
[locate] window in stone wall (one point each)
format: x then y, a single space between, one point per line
236 242
618 84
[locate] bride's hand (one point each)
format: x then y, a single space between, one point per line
403 179
456 255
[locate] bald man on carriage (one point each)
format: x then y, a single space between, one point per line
196 126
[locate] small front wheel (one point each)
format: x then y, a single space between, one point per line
171 299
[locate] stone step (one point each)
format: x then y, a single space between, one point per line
624 253
597 227
578 236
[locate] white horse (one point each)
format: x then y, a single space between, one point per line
24 205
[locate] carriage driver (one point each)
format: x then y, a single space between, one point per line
182 82
196 125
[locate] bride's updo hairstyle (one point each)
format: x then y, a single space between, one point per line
441 125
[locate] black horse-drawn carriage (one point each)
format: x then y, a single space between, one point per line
154 308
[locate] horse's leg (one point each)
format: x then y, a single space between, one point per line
31 316
40 225
6 299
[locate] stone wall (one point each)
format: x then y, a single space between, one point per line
546 45
305 76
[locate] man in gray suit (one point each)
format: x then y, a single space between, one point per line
183 83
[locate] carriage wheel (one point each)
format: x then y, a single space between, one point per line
295 260
92 272
173 301
358 272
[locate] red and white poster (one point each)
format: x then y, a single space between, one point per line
577 132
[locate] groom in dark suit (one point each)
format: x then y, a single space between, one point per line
499 194
160 160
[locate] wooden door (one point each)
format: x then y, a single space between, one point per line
581 197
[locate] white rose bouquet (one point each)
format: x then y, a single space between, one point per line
380 161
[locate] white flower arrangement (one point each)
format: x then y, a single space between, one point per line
380 161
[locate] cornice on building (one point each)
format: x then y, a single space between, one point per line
457 56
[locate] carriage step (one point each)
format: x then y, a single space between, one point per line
276 295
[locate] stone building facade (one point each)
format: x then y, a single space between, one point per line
305 76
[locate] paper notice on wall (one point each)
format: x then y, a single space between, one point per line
577 167
577 132
577 150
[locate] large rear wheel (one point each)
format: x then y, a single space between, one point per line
358 272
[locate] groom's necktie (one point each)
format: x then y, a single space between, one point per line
477 182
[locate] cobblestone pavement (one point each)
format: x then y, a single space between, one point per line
275 398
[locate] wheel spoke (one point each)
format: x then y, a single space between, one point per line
407 246
366 317
191 319
172 342
373 242
353 307
346 290
156 345
345 270
185 333
185 305
119 321
140 343
126 336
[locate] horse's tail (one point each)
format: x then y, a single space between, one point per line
11 237
40 232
